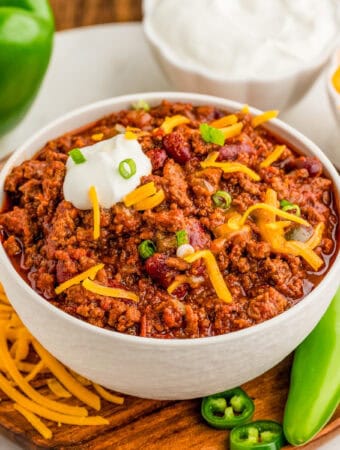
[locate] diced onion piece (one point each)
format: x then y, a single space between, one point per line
89 273
184 250
232 130
57 389
172 122
150 202
36 423
229 167
139 194
264 117
306 253
108 395
96 212
72 385
214 273
274 156
316 238
109 291
26 388
224 121
273 210
97 137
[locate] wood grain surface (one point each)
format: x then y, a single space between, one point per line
77 13
155 425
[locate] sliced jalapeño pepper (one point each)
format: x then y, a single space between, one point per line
227 409
259 435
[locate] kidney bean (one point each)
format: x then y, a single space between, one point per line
197 236
177 147
158 270
62 273
311 164
230 152
181 291
158 157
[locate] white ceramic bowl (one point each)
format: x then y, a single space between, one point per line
279 92
333 94
156 368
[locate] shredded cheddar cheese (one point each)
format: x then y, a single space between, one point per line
272 209
109 291
57 389
179 280
214 273
264 117
224 121
232 130
139 194
151 202
316 238
274 156
96 212
228 167
130 135
245 109
97 137
107 395
305 252
172 122
34 421
90 273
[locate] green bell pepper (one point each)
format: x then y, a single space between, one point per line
26 40
259 435
314 392
227 409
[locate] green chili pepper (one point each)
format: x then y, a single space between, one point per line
227 409
290 207
259 435
26 38
314 392
146 249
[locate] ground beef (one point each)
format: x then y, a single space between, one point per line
49 241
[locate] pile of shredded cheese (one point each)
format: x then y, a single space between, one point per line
17 372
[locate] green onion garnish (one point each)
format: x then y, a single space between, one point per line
182 237
127 168
287 206
146 249
211 134
222 199
77 156
141 104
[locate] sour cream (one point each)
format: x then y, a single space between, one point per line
245 38
101 171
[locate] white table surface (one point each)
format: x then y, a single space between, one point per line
98 62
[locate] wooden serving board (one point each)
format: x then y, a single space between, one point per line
155 425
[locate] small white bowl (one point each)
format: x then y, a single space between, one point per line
157 368
333 94
271 93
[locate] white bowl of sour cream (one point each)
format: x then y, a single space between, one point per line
265 53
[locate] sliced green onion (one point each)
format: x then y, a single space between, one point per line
146 249
127 168
182 237
287 206
222 199
211 134
77 156
141 104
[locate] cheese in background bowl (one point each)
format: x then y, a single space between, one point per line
333 83
254 51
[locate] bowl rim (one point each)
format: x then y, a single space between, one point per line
155 97
189 68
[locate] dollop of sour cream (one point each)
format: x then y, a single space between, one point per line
101 170
245 38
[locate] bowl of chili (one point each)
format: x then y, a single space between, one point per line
203 279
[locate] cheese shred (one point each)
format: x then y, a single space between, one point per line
109 291
228 167
89 273
172 122
264 117
214 273
34 421
139 194
273 156
96 212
